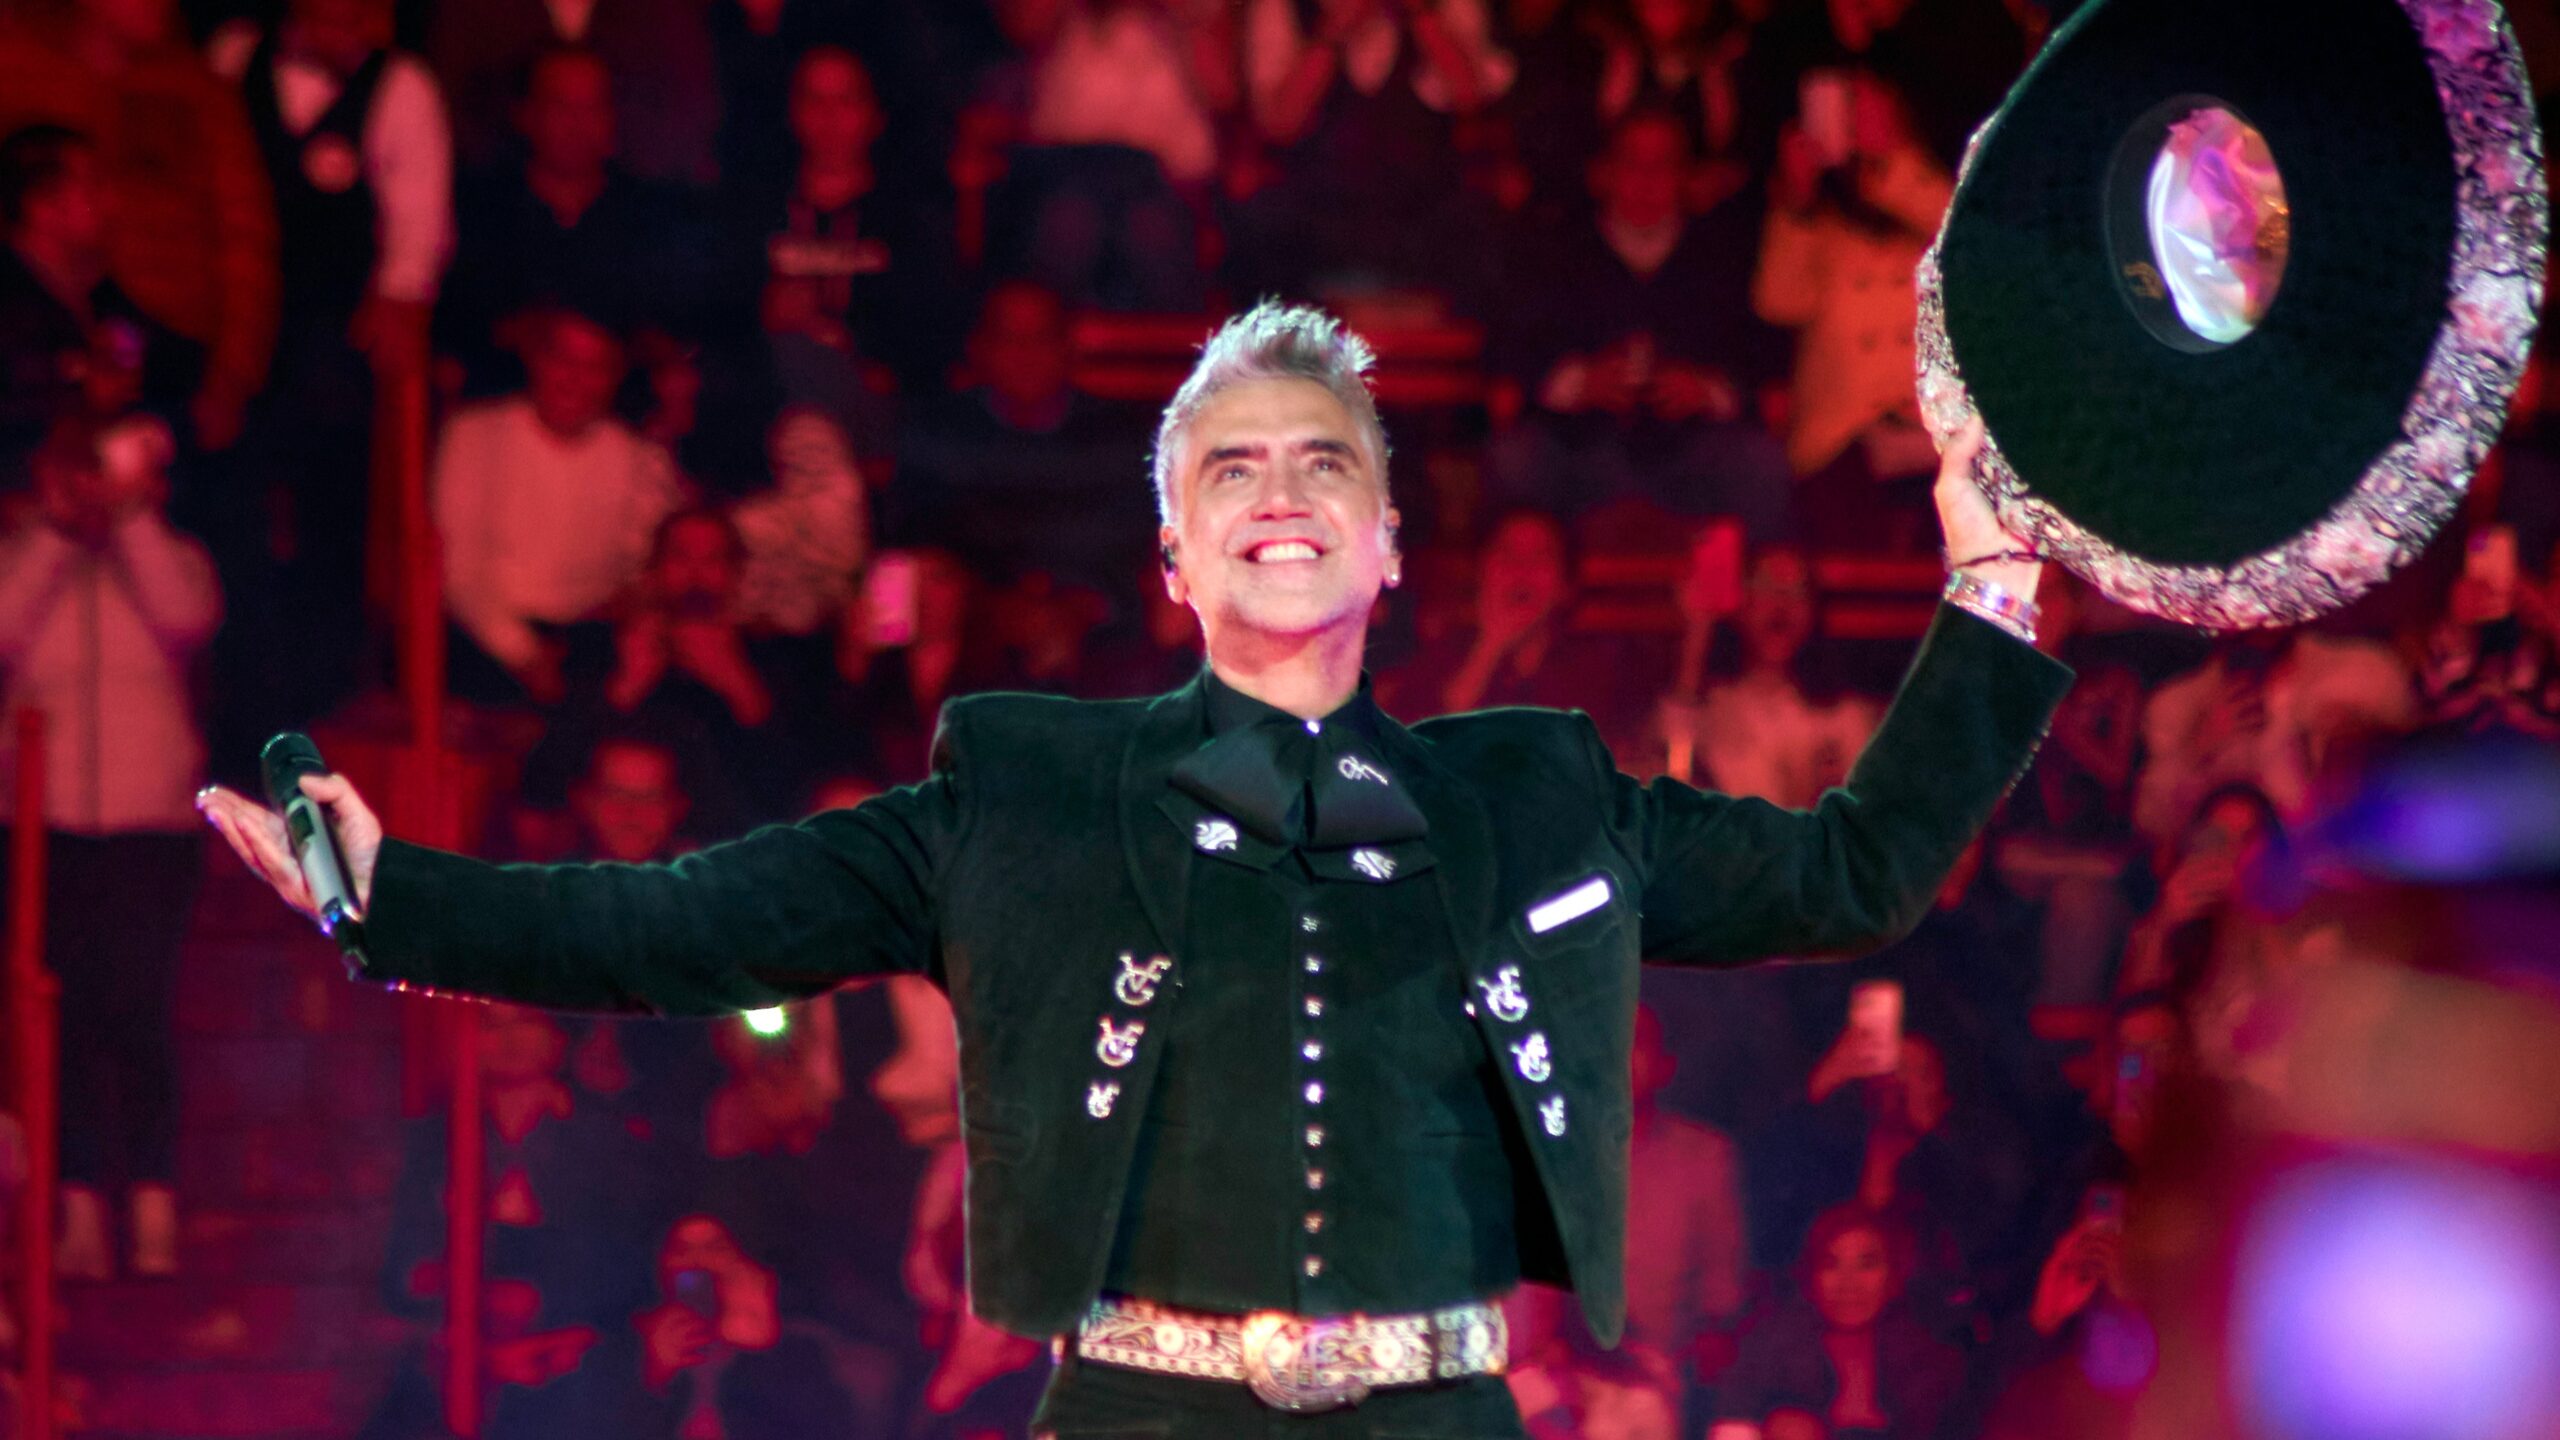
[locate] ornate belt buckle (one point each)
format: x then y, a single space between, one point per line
1300 1365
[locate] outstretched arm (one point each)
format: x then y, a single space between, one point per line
788 912
1730 880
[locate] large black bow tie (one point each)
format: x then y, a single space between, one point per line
1292 786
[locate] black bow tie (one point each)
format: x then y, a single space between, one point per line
1290 786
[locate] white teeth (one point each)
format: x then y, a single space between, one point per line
1284 550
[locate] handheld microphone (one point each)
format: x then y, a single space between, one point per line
284 761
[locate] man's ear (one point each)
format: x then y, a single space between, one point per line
1169 557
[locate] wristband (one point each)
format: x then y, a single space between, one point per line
1997 604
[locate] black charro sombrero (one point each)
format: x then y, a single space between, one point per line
2222 478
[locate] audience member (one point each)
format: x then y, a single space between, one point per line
568 1191
759 43
1970 980
734 708
71 340
850 291
2065 835
2059 1364
103 606
627 801
909 643
2278 709
361 165
723 1357
1896 1136
666 106
193 238
784 1150
1847 1355
806 533
1520 647
1360 105
1692 58
985 1381
2233 856
1954 58
1037 633
1770 722
1119 125
1149 76
1855 201
715 1302
1022 471
630 804
563 224
1568 1387
1636 352
1688 1245
1152 651
2492 662
547 506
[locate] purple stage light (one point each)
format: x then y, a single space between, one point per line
2396 1300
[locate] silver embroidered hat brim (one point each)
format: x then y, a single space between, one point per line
2384 516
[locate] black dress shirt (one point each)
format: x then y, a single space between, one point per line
1326 1134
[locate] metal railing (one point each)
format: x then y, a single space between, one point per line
424 803
34 1039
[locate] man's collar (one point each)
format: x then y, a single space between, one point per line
1229 708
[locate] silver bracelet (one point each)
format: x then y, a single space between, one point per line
1994 602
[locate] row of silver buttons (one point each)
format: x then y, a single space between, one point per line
1311 1050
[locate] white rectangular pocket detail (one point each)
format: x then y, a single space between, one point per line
1573 904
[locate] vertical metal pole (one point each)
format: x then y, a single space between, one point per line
465 1168
426 806
38 998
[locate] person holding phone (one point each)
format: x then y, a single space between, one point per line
735 706
1845 1352
103 606
910 642
1754 709
2062 1363
1853 204
2492 662
1893 1121
1291 1039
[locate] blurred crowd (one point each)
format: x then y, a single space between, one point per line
757 336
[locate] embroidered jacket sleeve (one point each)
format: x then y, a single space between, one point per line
1726 880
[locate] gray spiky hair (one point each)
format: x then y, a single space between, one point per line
1273 341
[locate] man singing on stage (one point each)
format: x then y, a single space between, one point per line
1291 1038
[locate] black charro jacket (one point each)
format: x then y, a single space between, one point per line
1036 856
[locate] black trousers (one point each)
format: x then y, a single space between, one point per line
116 909
1105 1402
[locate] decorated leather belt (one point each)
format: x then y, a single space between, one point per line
1294 1363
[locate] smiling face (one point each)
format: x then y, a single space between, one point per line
1853 1278
1281 526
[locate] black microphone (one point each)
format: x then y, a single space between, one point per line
285 760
